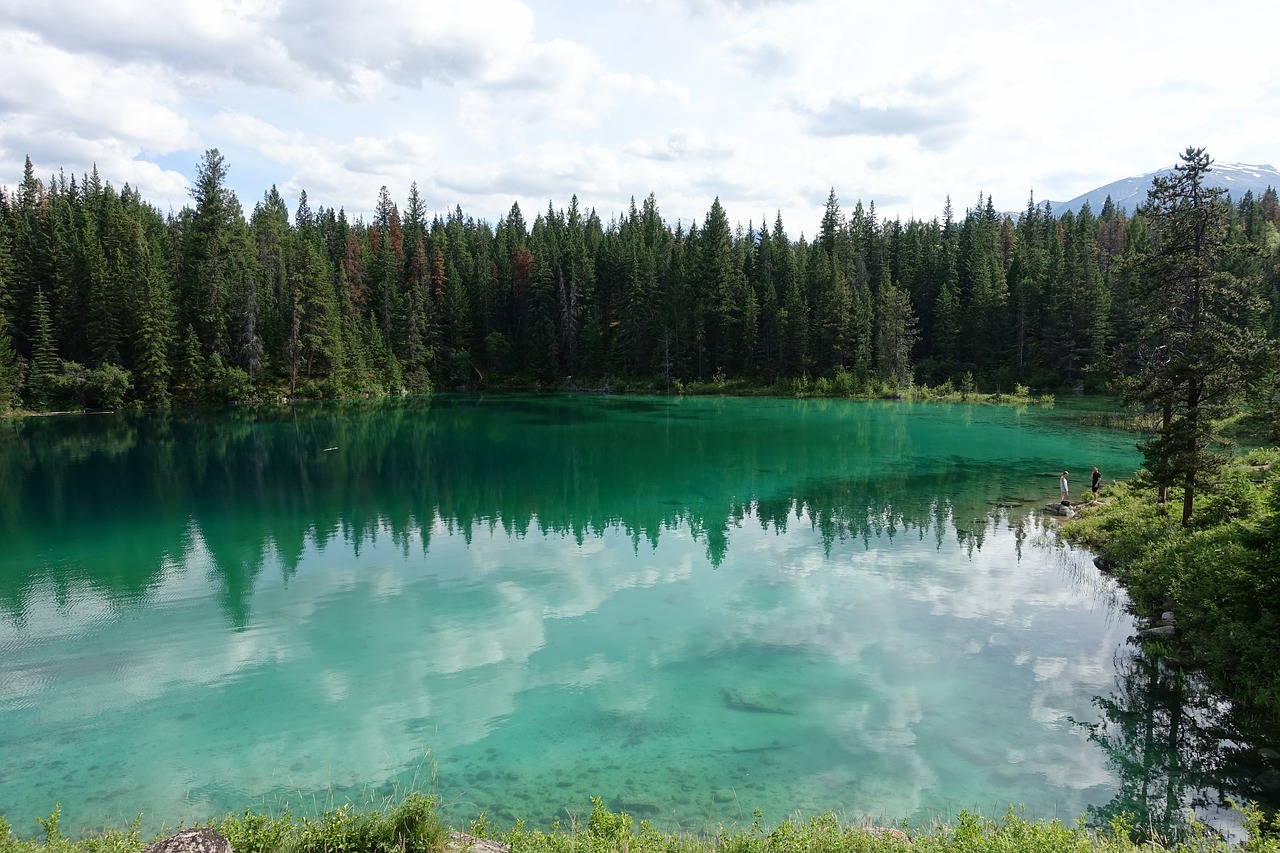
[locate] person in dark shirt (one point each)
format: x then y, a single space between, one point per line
1097 481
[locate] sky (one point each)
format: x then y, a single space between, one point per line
768 105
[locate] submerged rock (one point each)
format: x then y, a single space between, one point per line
756 702
636 808
200 840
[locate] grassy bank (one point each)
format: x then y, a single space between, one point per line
842 386
413 825
845 386
1219 577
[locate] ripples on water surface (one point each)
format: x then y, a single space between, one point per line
692 608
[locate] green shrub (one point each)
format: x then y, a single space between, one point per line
106 387
844 384
411 826
1217 575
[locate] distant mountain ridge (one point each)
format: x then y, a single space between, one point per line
1128 193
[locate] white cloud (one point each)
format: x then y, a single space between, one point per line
685 144
89 98
74 111
764 104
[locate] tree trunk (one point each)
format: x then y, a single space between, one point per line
1193 427
1166 421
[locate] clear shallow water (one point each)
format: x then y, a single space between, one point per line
690 607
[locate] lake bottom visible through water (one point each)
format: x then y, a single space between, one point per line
690 609
890 684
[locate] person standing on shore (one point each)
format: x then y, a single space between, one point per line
1097 482
1064 486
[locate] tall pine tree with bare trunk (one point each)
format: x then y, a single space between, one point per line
1200 337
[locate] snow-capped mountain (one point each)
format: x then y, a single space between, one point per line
1128 193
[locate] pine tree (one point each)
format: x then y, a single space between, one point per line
750 321
832 225
456 325
32 257
946 320
1198 344
319 323
950 308
674 329
155 340
418 306
9 365
797 314
102 300
576 287
895 330
8 369
189 378
715 277
635 332
204 263
541 341
269 225
1025 282
44 358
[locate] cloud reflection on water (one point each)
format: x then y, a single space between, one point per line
423 664
772 616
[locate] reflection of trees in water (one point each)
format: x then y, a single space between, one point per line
857 511
249 487
113 502
1178 746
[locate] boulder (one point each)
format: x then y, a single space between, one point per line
461 842
198 840
888 832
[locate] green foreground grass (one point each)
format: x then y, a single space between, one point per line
414 825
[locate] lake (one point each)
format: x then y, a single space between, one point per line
690 607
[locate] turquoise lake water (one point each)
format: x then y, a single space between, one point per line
689 607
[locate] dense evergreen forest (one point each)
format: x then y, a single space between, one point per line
108 302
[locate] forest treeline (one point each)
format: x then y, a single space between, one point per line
107 302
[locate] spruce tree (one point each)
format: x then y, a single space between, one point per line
44 357
8 369
715 284
203 271
896 333
154 342
9 373
577 285
189 378
1196 349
